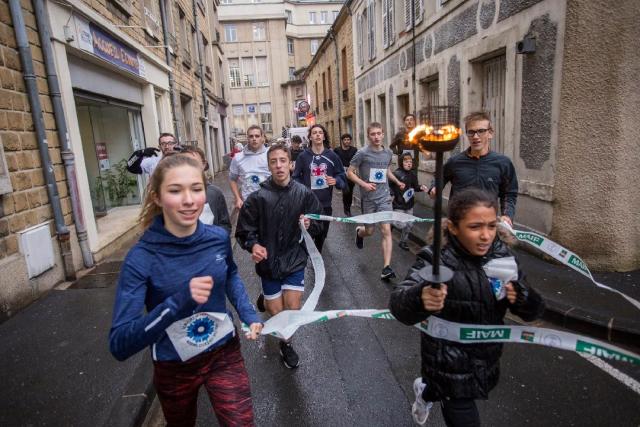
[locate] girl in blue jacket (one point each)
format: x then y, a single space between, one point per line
181 271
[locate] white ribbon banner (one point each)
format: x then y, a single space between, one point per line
563 255
460 332
284 324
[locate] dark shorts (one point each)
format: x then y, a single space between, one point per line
272 288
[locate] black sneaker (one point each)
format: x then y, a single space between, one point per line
260 303
289 355
359 240
387 273
404 245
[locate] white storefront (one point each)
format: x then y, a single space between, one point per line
115 95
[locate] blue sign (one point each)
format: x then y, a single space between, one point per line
110 49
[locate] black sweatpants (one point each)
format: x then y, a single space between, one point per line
460 413
347 196
319 239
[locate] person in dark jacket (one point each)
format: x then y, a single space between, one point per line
479 167
346 152
403 200
296 147
400 144
268 228
215 210
182 272
320 169
453 373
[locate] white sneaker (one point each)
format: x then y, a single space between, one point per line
420 409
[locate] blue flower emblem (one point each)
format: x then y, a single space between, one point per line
255 179
378 175
201 329
320 181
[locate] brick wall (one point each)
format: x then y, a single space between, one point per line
28 204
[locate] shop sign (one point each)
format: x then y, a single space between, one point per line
95 40
103 156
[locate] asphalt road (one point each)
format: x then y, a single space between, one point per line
359 372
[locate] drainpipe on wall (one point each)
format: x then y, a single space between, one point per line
205 98
332 36
167 54
38 121
63 134
413 62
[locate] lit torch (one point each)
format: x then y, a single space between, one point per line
438 134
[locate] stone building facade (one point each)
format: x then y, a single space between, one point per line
329 80
266 51
115 90
531 64
24 203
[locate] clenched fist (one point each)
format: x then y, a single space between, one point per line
200 288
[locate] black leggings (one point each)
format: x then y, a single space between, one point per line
460 413
319 240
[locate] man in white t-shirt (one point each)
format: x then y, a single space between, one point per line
167 142
250 167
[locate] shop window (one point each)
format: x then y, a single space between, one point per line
109 133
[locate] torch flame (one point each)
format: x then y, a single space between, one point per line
428 133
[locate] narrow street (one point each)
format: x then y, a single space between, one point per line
360 372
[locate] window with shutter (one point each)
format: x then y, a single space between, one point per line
419 11
407 14
371 16
359 36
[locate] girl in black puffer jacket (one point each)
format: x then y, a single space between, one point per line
457 374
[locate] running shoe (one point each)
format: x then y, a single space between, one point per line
387 273
260 303
420 409
403 245
359 240
289 355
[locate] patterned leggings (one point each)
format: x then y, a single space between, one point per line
223 374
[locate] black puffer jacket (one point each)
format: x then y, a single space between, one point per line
270 217
462 370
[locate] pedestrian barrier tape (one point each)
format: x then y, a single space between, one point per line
563 255
284 324
462 333
372 218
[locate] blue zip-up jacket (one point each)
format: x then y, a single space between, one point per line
328 163
156 274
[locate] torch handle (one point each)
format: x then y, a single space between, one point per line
437 225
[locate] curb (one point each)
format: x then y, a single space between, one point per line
579 320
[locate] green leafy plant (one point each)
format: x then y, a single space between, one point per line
117 182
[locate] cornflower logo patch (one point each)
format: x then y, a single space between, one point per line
200 331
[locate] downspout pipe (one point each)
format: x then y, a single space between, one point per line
63 134
205 98
413 62
38 121
172 83
332 35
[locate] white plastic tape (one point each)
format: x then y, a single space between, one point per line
372 218
563 255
